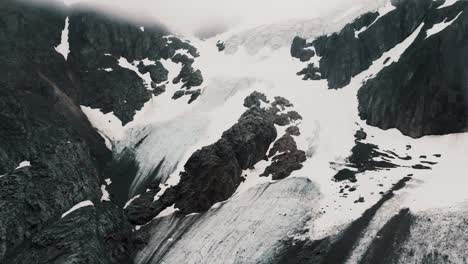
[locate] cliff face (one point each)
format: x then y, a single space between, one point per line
424 91
43 129
99 44
268 180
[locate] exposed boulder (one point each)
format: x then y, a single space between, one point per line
299 49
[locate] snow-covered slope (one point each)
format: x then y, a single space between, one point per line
330 120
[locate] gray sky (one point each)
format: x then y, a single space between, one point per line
187 16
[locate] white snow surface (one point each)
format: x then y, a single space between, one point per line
108 125
441 26
279 35
447 3
23 164
78 206
105 194
64 46
146 78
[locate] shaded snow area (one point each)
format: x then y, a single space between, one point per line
64 47
78 206
189 128
447 3
23 164
247 229
279 35
382 10
441 26
105 194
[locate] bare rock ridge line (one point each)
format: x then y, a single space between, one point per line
213 173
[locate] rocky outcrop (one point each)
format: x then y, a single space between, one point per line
92 234
62 156
97 43
213 173
425 92
220 45
299 49
352 50
215 235
286 158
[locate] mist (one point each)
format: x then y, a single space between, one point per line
204 17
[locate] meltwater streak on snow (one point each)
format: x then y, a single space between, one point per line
78 206
247 229
441 26
64 47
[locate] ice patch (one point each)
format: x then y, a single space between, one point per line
23 164
108 125
105 194
441 26
78 206
130 201
168 211
64 47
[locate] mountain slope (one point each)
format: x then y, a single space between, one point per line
272 144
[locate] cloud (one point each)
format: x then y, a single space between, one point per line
190 16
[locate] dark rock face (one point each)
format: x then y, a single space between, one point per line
345 174
255 99
98 42
194 94
41 122
425 92
88 235
347 53
286 158
299 49
213 173
220 45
